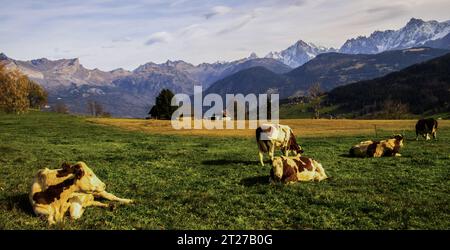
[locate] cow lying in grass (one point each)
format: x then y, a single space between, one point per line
389 147
296 168
73 188
426 127
273 136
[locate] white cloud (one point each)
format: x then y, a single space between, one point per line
159 37
121 40
111 34
238 24
218 11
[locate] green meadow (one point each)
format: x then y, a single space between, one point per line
201 182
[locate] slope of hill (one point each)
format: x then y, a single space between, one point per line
423 87
329 70
253 80
442 43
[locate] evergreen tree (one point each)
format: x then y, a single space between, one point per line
162 108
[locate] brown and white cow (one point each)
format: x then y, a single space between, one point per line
426 127
388 147
72 187
273 136
296 168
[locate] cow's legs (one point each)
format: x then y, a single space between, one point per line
272 151
261 158
112 197
434 135
45 212
59 215
428 137
76 210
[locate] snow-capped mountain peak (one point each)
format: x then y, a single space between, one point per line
252 56
298 54
415 33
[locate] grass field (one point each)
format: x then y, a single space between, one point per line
212 180
302 127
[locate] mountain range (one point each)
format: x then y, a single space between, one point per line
415 33
330 70
127 93
289 72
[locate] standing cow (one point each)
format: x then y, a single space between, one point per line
272 136
425 127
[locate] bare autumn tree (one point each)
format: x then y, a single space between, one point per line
91 107
98 109
314 94
61 108
95 108
13 91
394 109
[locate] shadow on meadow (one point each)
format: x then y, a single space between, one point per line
256 180
223 162
18 202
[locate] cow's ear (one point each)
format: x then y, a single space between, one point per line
78 171
65 165
65 170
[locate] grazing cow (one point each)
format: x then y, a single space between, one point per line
425 127
72 187
296 168
389 147
271 136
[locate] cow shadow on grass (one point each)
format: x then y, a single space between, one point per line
222 162
19 202
256 180
355 157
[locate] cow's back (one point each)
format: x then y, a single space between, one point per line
426 125
44 179
362 149
299 168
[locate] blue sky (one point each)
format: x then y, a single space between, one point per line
109 34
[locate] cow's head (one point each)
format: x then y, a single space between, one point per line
87 181
399 138
277 168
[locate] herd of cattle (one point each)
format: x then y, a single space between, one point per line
74 187
290 169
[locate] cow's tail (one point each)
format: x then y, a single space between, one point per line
263 145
